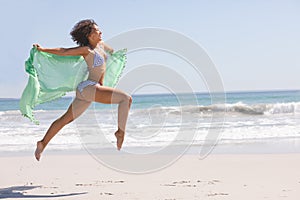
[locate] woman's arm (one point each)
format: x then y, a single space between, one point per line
75 51
108 48
101 81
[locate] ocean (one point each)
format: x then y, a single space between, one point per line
159 120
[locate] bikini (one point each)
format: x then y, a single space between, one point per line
98 61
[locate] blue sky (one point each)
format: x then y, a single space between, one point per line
254 44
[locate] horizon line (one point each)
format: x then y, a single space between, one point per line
198 92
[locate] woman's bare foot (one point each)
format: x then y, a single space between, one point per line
120 138
39 149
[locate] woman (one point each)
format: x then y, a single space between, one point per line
88 36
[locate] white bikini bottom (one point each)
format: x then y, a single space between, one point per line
84 84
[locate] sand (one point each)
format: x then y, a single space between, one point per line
218 176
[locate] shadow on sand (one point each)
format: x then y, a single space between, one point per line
17 192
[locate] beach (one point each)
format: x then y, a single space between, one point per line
214 113
217 176
167 153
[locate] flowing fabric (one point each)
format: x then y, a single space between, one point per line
51 76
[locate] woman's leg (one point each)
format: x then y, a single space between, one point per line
109 95
75 109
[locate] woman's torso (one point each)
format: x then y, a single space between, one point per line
96 60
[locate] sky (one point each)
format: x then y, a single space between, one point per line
254 45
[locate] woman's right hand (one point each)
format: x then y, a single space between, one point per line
38 47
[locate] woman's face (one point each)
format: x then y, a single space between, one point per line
95 35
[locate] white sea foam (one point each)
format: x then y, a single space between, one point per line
156 126
237 108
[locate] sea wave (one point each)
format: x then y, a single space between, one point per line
229 108
234 108
264 109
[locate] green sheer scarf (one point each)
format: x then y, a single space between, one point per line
51 76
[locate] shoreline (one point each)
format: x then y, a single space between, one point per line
266 146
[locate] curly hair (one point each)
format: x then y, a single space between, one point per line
81 31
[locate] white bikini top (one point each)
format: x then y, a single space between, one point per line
98 60
95 59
